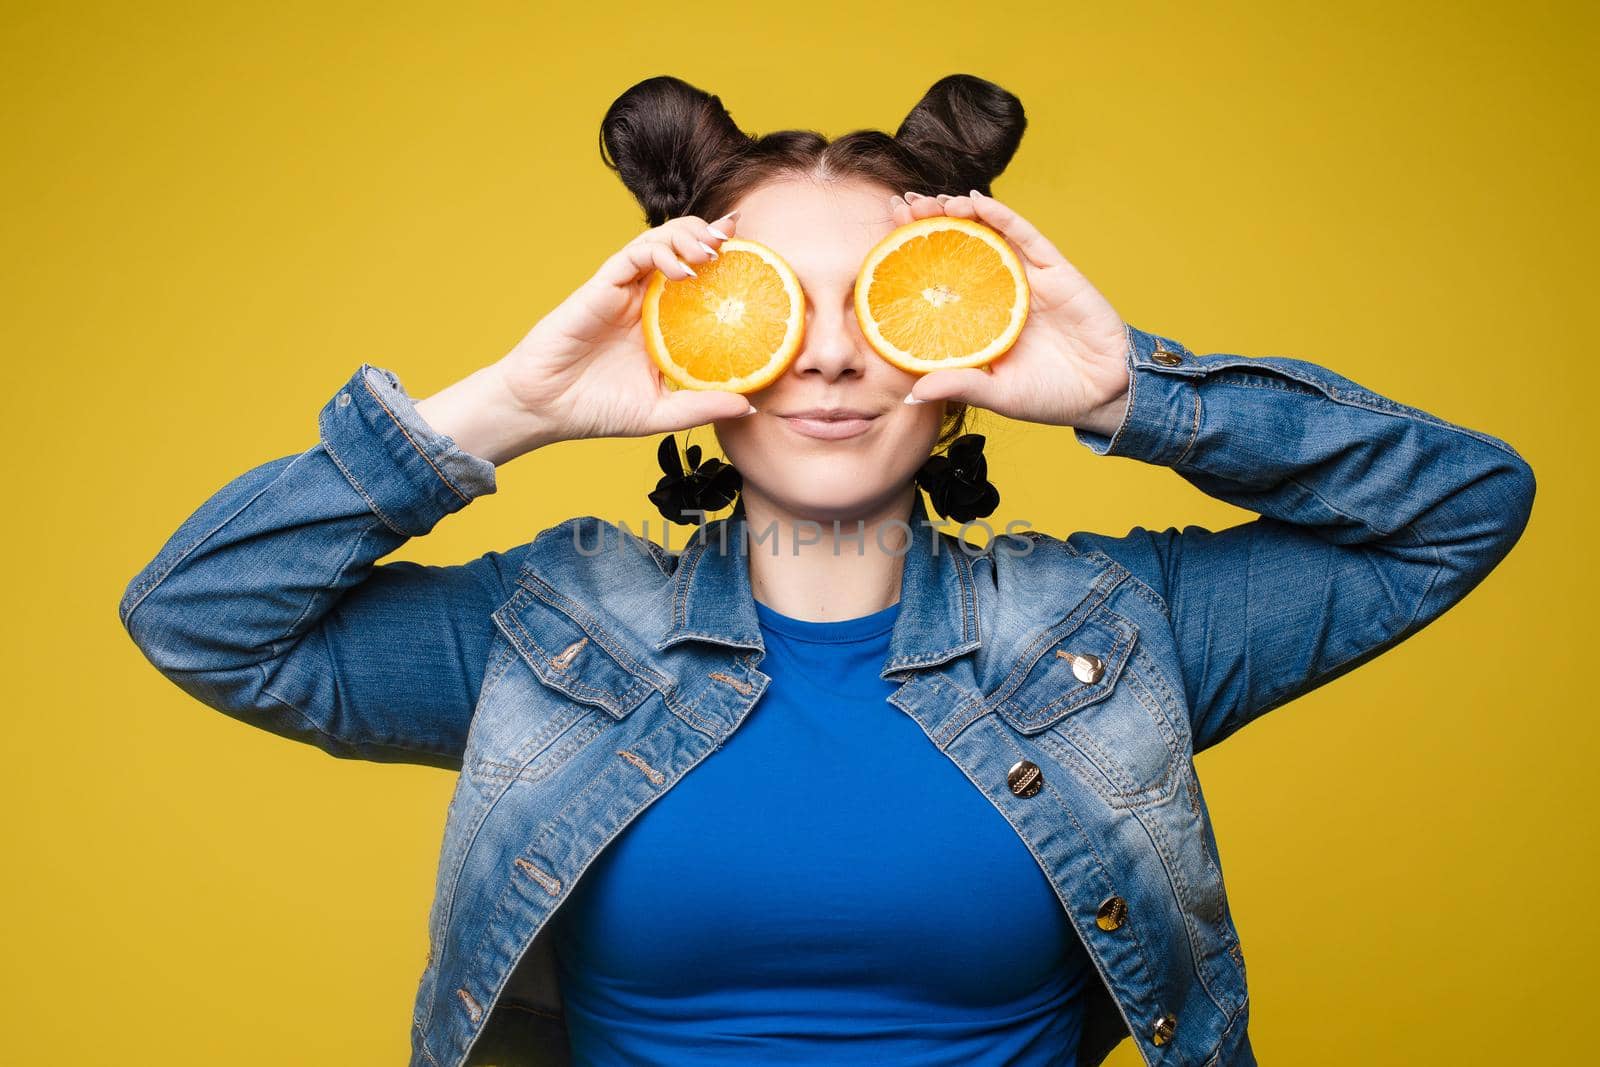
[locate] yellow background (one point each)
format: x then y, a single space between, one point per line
212 215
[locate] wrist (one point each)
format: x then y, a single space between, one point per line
1105 418
482 416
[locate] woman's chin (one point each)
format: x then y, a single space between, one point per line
833 495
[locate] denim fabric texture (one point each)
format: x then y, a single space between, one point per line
570 688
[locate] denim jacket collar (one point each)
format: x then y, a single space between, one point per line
938 620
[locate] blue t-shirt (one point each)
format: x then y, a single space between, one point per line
827 888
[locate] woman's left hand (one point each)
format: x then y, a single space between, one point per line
1068 366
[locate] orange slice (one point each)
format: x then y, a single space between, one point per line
941 292
737 325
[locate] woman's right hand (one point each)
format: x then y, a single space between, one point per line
583 370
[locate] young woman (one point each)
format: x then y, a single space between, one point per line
952 815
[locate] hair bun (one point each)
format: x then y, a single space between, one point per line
963 132
665 138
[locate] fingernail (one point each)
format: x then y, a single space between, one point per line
913 400
686 267
732 215
718 234
712 252
752 411
914 196
942 197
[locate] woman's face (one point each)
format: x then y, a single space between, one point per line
819 470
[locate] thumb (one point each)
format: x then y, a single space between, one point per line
971 384
682 409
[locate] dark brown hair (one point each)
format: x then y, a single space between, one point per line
679 152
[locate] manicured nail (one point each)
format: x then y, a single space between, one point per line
718 234
913 400
910 196
942 197
977 195
712 252
686 267
752 411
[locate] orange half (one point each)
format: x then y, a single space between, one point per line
737 325
941 292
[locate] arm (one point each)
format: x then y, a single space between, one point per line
266 603
1375 519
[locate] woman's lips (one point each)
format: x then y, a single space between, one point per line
827 429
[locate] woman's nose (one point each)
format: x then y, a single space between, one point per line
833 345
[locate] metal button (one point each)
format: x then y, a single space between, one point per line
1165 1026
1025 778
344 399
1087 668
1166 358
1112 913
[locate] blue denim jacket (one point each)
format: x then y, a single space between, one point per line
571 682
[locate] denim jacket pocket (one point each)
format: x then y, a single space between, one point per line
566 686
1082 703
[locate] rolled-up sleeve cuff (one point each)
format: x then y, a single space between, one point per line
1162 418
409 474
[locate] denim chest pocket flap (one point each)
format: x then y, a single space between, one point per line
1080 663
1082 702
569 650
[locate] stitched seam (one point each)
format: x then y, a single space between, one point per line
1365 399
311 600
422 1044
968 710
1000 698
482 947
362 492
618 704
401 427
1180 888
1141 956
549 759
1085 692
139 593
1194 428
349 744
687 712
1129 792
641 674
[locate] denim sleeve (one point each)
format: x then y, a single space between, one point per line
266 604
1375 518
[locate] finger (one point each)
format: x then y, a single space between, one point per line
899 210
667 261
720 230
689 246
975 385
1034 246
630 263
923 207
682 409
960 207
